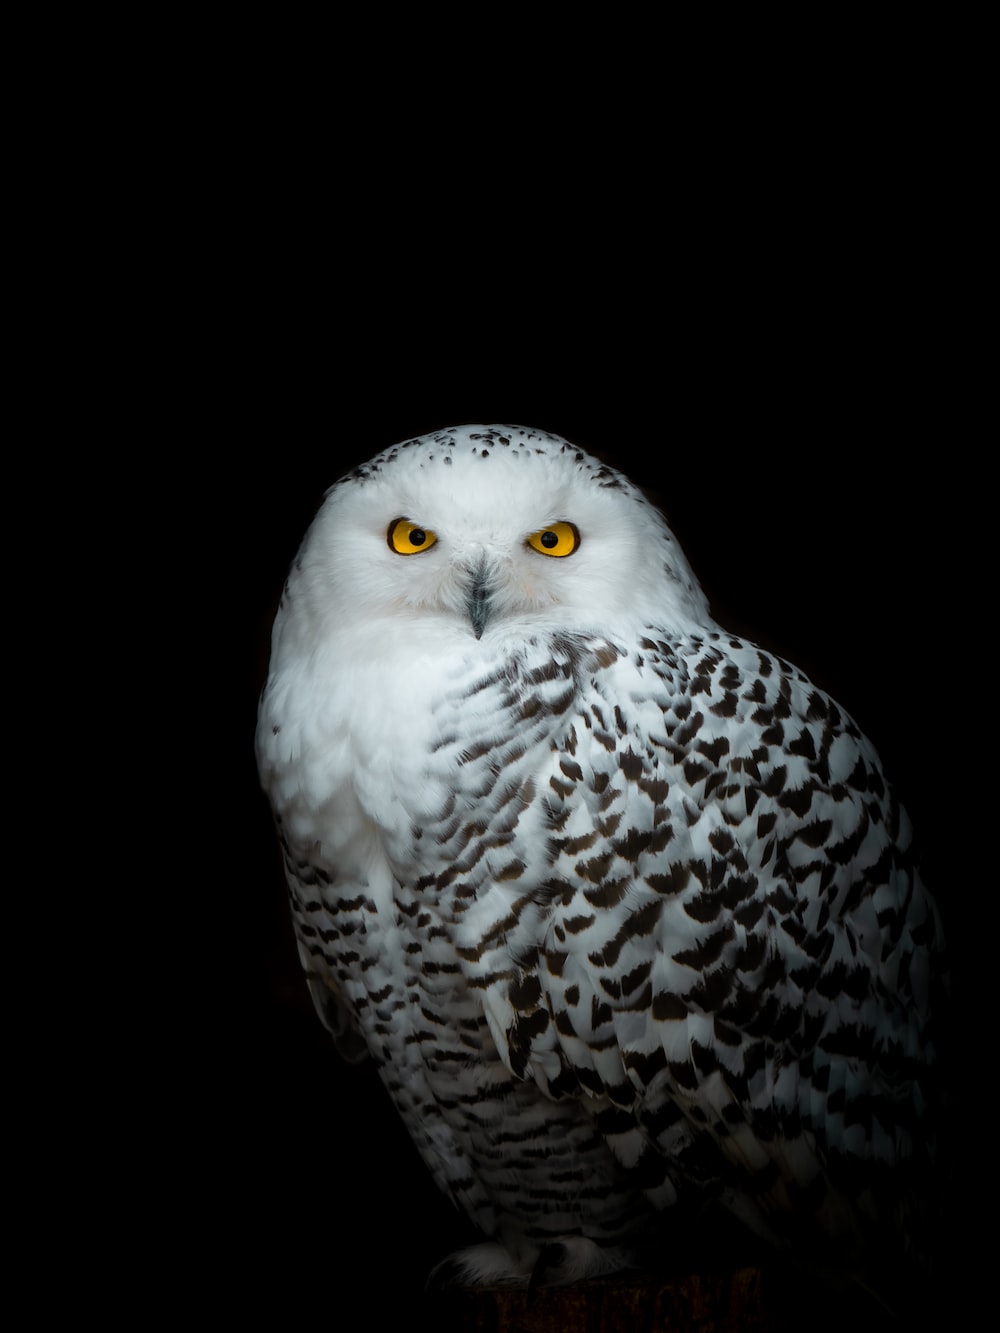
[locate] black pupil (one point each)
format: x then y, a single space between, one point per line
417 536
549 539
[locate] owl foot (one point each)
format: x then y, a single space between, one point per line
557 1263
573 1258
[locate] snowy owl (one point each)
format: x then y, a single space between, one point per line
620 905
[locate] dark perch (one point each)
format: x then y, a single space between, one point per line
751 1299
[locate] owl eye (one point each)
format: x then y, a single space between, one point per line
557 539
406 538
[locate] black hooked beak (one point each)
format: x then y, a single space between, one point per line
478 599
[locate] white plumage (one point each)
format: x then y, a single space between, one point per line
621 905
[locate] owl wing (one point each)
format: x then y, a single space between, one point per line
735 963
313 914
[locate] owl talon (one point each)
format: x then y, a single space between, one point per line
550 1259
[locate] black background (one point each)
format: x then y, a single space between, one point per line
752 278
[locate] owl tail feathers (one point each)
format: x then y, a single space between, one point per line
337 1020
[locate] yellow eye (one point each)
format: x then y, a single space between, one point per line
557 539
406 538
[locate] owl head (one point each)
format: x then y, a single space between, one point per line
475 533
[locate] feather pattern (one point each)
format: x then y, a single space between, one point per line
621 905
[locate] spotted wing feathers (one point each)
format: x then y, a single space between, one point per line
734 961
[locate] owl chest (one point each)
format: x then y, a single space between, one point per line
439 765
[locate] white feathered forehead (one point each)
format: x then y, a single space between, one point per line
463 445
